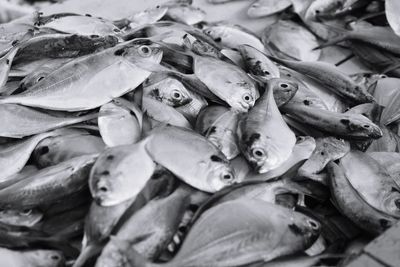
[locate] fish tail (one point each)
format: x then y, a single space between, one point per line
86 253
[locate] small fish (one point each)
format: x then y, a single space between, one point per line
264 149
332 78
186 14
353 206
301 45
49 184
121 123
20 121
392 7
327 149
218 124
147 16
258 64
233 36
350 126
263 8
210 171
256 231
88 81
65 145
32 257
25 217
110 179
372 182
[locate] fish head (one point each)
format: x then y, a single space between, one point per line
220 173
303 228
243 97
24 217
361 125
392 201
217 33
170 91
283 89
258 151
140 52
45 258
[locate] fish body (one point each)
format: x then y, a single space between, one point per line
263 8
32 258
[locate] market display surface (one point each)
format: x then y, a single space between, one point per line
170 137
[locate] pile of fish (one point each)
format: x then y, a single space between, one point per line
161 139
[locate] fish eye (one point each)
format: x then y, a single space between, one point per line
176 95
300 138
103 189
284 85
144 51
55 257
116 30
26 212
317 11
313 224
397 203
227 177
258 153
247 97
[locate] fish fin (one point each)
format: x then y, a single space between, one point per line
134 258
391 112
341 35
87 253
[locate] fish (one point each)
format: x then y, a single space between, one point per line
210 172
147 16
62 46
25 172
349 126
82 25
320 7
391 8
158 221
263 8
232 36
121 123
186 14
372 182
110 180
264 149
327 149
331 77
218 124
353 206
258 64
301 45
215 2
20 121
17 217
164 114
48 185
233 244
87 80
15 155
67 144
390 161
32 257
174 93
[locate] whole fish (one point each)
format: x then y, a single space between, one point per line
372 182
218 124
350 126
258 64
256 231
121 123
327 149
62 45
263 148
301 45
233 36
353 206
17 217
32 258
263 8
332 78
49 184
67 144
210 170
90 81
110 179
20 121
150 229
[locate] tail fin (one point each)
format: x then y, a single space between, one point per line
340 34
87 253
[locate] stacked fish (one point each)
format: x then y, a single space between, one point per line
163 140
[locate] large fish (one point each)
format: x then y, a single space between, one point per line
91 81
264 138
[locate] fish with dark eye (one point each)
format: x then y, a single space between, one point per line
265 149
256 232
